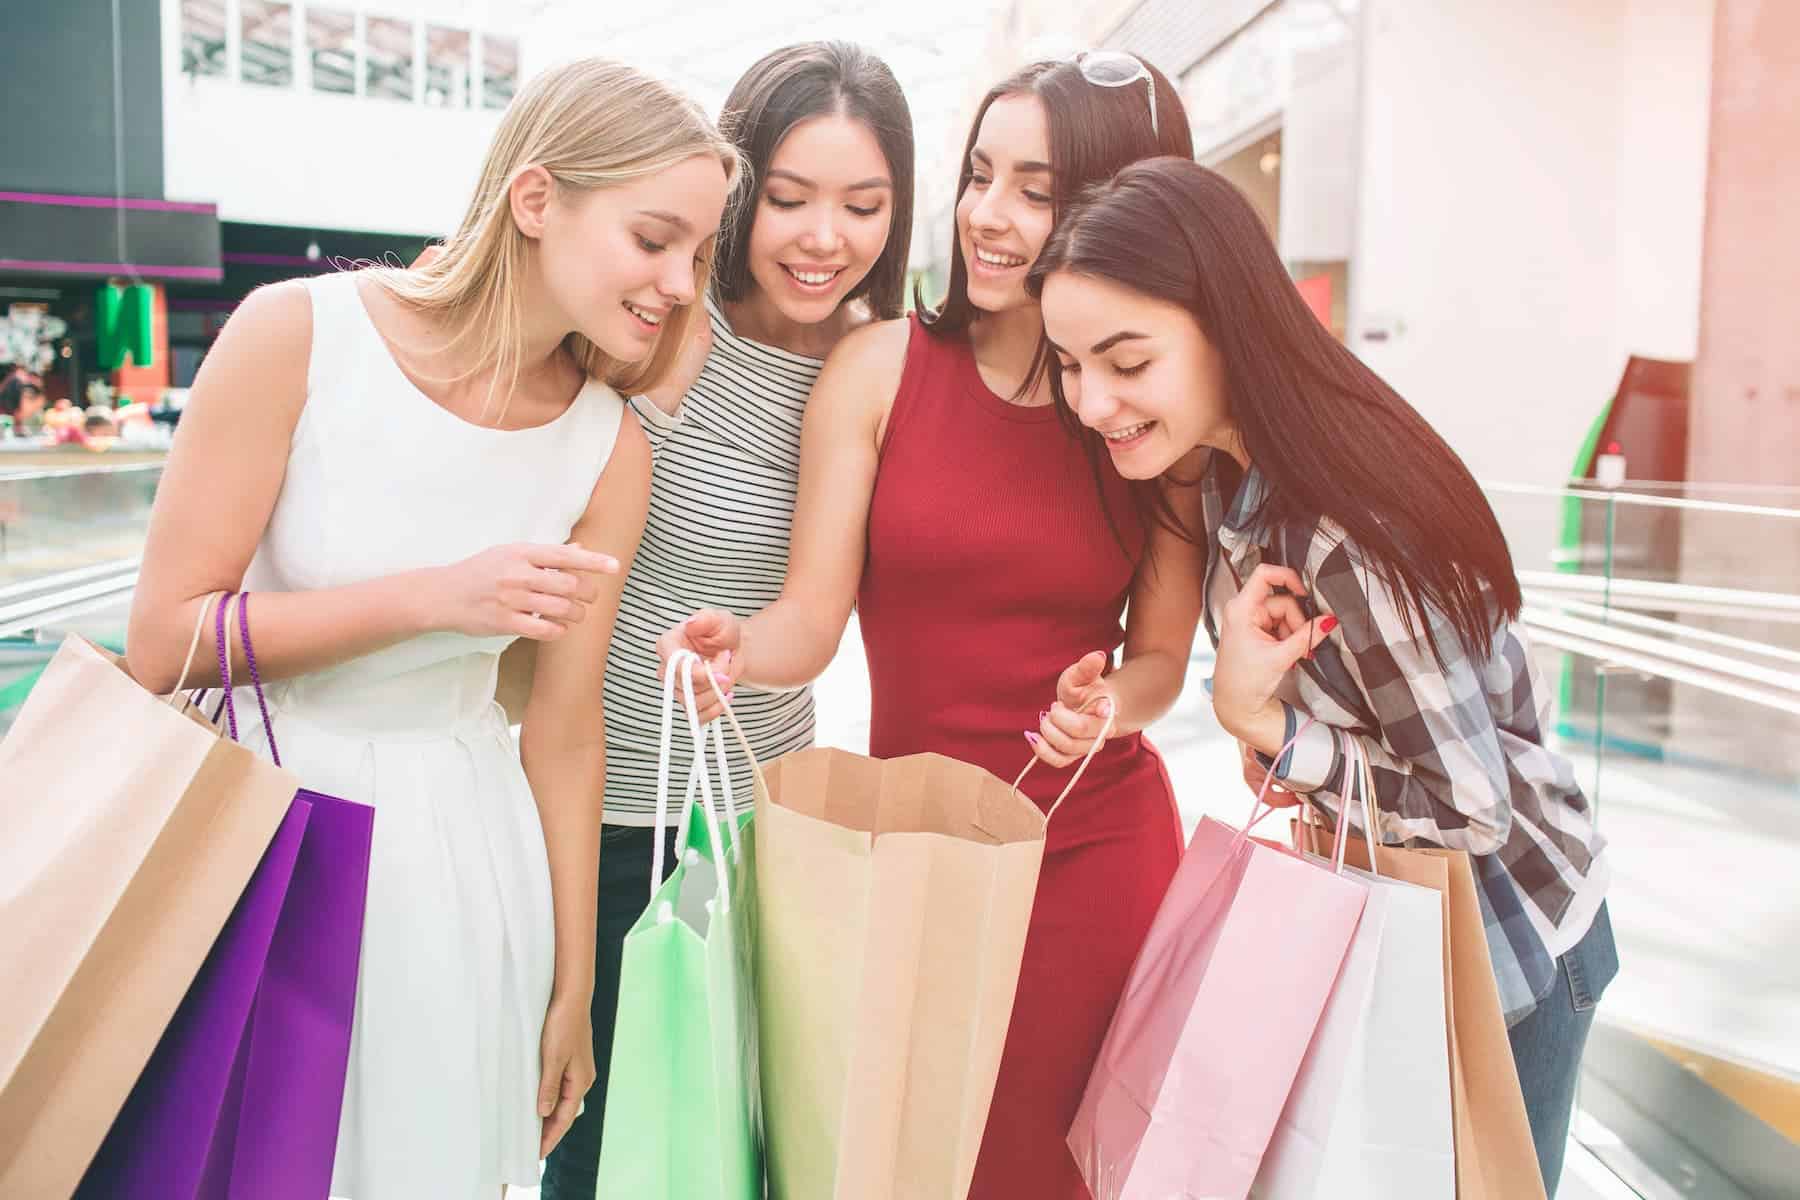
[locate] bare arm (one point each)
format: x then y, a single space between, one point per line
563 745
215 499
1161 618
563 741
790 642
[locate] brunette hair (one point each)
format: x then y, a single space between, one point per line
1329 436
1094 131
794 84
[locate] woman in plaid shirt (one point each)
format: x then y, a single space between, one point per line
1355 575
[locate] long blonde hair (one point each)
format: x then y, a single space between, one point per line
591 123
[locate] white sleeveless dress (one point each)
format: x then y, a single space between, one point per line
458 943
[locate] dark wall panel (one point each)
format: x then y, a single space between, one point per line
56 77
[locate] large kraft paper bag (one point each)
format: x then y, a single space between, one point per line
128 829
893 899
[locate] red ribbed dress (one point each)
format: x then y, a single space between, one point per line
991 567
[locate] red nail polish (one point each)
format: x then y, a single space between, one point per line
1328 623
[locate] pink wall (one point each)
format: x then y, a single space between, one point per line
1745 425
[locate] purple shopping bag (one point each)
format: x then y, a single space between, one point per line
244 1093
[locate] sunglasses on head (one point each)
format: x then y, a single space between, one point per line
1115 68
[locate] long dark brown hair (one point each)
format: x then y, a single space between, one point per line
1329 437
794 84
1094 131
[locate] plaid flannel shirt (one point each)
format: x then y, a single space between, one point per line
1457 748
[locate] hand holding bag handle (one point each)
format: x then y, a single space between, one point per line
1359 781
698 778
1106 726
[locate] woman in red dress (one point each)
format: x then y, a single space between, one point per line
991 558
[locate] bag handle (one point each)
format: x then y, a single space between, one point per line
698 776
699 771
241 601
1106 725
262 703
187 665
1359 778
738 734
221 641
1259 811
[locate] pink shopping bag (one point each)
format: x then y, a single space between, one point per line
1216 1016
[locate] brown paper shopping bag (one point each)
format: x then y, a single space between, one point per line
893 900
128 828
1495 1156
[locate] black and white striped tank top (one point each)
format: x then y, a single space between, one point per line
721 511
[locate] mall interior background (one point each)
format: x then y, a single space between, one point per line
1563 231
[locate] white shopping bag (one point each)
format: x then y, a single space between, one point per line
1369 1115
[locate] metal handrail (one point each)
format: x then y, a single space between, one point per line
1666 657
66 472
1674 630
67 594
1637 498
67 579
1660 596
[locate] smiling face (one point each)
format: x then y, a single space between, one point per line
1004 215
822 218
617 260
1137 370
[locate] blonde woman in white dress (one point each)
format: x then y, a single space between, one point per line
410 469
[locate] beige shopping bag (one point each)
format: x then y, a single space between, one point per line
128 828
893 900
1495 1156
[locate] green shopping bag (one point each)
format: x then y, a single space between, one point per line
683 1102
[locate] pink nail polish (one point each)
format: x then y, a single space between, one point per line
1032 737
1043 715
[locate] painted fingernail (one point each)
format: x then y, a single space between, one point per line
1033 738
1043 715
1328 623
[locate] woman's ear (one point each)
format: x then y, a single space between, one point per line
529 195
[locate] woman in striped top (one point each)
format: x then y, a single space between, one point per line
818 249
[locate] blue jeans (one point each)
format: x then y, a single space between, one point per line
625 854
1548 1043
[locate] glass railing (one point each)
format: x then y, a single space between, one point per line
72 526
1667 621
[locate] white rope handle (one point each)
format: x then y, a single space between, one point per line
737 732
679 662
664 750
1106 725
699 770
206 607
1359 784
